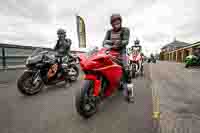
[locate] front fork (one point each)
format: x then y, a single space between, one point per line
36 77
96 84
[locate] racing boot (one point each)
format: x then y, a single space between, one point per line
127 74
123 81
128 86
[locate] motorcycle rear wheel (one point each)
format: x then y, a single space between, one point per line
142 70
75 76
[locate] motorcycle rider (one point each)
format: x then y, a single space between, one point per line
152 56
136 51
63 45
137 43
118 38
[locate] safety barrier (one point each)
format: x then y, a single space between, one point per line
16 55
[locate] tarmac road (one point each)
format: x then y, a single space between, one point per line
178 89
53 110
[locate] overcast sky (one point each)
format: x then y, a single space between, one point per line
154 22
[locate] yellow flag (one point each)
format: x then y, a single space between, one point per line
81 32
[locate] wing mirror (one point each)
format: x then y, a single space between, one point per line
107 51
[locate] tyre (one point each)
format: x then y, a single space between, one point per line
73 72
186 65
25 86
86 105
133 71
142 70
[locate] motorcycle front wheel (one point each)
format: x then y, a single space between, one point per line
142 70
25 85
186 65
133 70
86 106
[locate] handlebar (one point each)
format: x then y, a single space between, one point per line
44 52
110 47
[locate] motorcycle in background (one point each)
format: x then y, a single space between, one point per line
72 59
136 62
103 76
151 59
192 60
45 68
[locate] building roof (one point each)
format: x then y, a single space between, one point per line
176 44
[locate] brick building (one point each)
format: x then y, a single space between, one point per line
177 51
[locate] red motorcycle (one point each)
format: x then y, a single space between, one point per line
103 76
136 63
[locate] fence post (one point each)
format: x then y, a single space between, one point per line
3 58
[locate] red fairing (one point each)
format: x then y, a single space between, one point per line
113 73
135 57
97 83
98 60
102 63
82 59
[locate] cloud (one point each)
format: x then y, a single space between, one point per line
154 22
34 10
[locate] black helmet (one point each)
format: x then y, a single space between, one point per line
61 31
137 42
115 17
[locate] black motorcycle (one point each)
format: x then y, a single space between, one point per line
46 68
151 59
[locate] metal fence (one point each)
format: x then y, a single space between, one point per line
14 55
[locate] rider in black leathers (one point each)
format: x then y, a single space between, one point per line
62 46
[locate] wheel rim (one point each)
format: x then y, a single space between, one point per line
29 87
89 105
73 73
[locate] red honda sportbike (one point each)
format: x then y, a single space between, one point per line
103 76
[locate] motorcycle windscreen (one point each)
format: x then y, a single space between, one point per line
52 71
